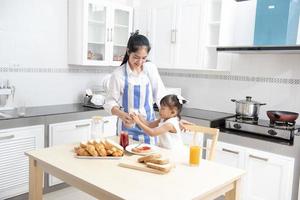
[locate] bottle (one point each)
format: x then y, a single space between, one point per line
97 127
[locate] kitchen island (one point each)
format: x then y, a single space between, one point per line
104 179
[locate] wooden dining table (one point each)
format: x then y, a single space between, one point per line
105 179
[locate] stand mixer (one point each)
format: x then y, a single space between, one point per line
7 93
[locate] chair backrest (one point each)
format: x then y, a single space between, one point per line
213 132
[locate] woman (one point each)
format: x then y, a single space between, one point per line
134 87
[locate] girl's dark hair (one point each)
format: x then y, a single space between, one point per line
135 42
172 101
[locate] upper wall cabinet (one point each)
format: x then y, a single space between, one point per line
98 32
183 33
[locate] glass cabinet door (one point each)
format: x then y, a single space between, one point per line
96 32
121 33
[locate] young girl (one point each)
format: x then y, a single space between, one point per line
167 126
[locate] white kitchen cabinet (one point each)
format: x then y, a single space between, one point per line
177 43
98 32
14 169
66 133
167 24
269 176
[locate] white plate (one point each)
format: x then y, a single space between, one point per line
130 147
100 157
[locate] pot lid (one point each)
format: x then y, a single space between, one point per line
249 100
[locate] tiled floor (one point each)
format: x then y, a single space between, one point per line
68 193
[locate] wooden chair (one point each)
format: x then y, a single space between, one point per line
213 132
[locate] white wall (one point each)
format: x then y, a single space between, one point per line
33 34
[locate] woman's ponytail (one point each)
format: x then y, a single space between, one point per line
134 43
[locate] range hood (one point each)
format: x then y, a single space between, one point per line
275 25
260 49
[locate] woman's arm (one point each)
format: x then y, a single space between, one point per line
125 117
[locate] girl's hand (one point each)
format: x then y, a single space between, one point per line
182 124
135 117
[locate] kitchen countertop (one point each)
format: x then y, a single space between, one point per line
207 115
46 111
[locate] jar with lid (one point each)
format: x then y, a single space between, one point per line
97 129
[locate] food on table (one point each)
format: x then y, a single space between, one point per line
142 149
100 148
160 161
145 159
163 168
156 161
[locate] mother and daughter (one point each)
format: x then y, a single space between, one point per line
133 89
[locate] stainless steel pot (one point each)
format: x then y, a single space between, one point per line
247 108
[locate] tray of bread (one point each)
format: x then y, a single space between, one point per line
99 149
154 163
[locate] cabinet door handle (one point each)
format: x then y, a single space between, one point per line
175 33
172 36
7 137
230 151
81 125
259 158
111 34
107 39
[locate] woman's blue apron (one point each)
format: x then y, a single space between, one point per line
136 132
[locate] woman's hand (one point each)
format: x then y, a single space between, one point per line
127 120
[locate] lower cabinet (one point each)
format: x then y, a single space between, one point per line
66 133
269 176
14 164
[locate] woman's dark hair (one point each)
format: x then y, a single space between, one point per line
172 101
135 42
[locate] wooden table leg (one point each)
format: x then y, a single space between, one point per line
35 181
235 193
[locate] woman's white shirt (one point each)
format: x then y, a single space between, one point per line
171 140
117 83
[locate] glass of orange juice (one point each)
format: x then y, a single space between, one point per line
195 151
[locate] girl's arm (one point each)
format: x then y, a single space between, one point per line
168 127
151 130
152 124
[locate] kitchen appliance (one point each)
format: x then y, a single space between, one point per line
247 108
7 93
277 116
94 98
278 131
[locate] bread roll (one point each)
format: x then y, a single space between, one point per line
91 149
